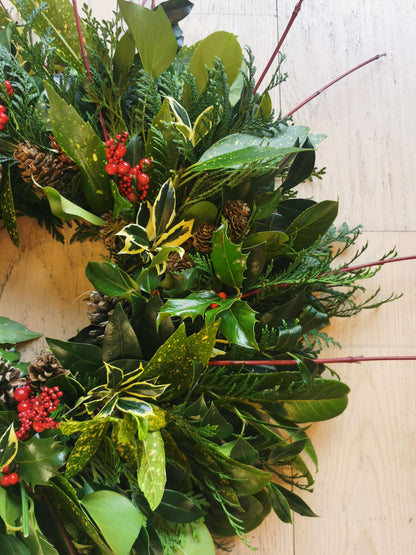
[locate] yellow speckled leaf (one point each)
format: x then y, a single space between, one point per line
86 445
151 473
125 439
7 211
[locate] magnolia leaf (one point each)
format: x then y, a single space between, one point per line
220 45
228 260
66 210
39 460
8 446
12 332
153 35
258 238
86 446
301 168
84 147
7 210
76 357
120 341
312 223
151 472
122 516
109 279
57 16
322 400
195 538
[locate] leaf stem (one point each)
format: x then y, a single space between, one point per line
294 362
58 524
85 60
316 93
341 270
279 44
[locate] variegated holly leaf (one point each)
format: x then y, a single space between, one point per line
228 260
136 239
8 446
151 468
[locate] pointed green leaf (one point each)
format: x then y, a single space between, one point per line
66 210
153 35
176 507
295 502
123 57
301 168
122 516
151 474
201 212
312 223
86 446
109 279
39 460
120 341
8 446
163 210
76 357
246 479
279 503
228 260
237 325
84 147
12 332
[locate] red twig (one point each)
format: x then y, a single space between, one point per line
341 270
315 94
293 362
279 44
85 60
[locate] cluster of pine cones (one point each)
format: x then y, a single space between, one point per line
41 368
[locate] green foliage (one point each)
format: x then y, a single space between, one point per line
12 332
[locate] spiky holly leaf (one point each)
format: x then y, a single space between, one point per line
39 460
192 306
151 472
236 323
228 260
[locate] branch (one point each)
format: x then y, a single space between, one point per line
340 271
294 362
330 84
85 60
279 44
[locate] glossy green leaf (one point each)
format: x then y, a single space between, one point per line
228 260
246 479
8 446
85 446
7 210
265 107
255 239
151 473
295 502
39 460
311 319
123 57
11 545
163 209
213 417
191 306
66 210
122 516
286 451
240 450
311 224
84 147
237 325
153 35
301 168
176 507
201 212
279 503
120 341
322 400
220 45
12 332
76 357
196 539
111 280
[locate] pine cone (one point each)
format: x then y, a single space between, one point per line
175 263
52 169
202 237
10 379
100 309
43 367
236 212
108 232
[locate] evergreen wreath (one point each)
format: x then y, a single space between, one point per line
181 412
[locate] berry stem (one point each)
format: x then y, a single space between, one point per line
316 93
341 270
279 44
293 362
85 60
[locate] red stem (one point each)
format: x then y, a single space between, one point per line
293 362
279 44
347 269
85 60
315 94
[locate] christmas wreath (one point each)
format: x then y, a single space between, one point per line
180 413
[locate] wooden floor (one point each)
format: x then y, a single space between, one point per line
365 489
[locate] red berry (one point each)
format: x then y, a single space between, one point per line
142 179
21 394
8 84
145 164
131 196
38 426
4 118
13 478
214 305
222 295
120 151
23 406
111 168
6 469
5 481
2 108
123 168
2 126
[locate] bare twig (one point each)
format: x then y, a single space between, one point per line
294 362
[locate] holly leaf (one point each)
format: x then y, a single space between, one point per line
39 460
192 306
12 332
237 324
228 260
151 473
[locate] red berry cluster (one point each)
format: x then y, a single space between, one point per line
127 176
8 478
4 118
33 410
